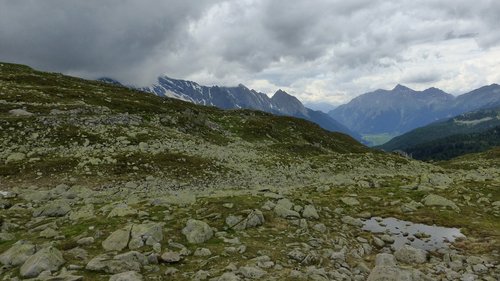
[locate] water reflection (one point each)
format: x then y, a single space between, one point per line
417 235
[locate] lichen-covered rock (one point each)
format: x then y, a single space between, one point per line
197 231
409 255
57 208
118 240
352 221
310 212
15 157
122 210
145 234
18 253
48 258
104 263
84 213
254 219
439 201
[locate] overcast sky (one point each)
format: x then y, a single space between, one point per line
319 50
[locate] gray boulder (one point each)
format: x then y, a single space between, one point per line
352 221
408 254
18 253
310 212
48 258
197 231
145 234
254 219
439 201
84 213
103 263
118 240
57 208
386 269
20 112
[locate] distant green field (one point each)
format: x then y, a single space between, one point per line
378 139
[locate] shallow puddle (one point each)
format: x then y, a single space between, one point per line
405 232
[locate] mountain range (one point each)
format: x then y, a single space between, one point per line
402 109
241 97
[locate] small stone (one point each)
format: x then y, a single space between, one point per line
352 221
85 241
350 201
202 252
171 257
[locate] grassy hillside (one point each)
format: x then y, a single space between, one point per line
470 132
86 128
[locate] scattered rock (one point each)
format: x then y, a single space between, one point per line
350 201
145 234
310 212
122 210
118 240
352 221
15 157
409 255
18 253
197 231
439 201
46 259
53 209
252 272
171 257
20 112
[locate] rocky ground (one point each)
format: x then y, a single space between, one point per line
99 182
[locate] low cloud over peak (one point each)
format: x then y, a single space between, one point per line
322 50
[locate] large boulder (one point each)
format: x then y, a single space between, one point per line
15 157
386 269
409 255
84 213
145 234
18 253
122 210
310 212
57 208
197 231
439 201
48 258
118 240
254 219
104 263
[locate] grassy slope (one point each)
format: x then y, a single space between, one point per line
113 121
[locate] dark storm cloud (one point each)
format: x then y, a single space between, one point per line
92 36
322 49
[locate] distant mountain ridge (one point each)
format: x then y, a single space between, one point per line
281 103
402 109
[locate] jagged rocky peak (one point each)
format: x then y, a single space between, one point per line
288 103
402 88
